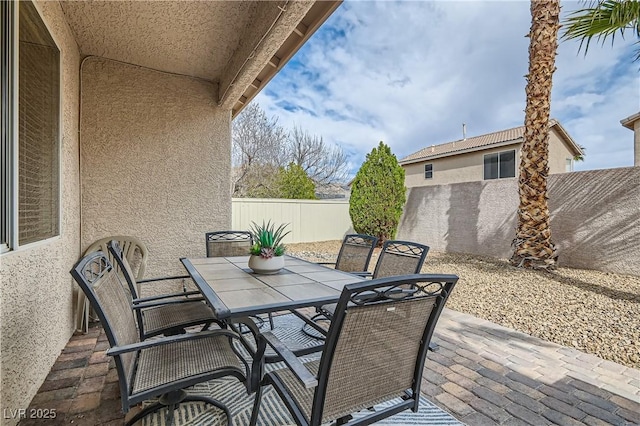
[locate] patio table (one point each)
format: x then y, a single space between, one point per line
234 291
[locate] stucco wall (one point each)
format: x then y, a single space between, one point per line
595 219
469 167
36 308
155 160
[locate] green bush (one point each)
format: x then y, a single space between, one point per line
378 195
293 182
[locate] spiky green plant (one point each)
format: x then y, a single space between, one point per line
267 239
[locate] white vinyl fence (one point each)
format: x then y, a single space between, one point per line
309 220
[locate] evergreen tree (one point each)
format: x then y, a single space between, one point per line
294 183
378 195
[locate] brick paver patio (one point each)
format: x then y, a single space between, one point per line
482 373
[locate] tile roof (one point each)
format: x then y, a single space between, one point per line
476 143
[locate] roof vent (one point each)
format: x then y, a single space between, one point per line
433 148
464 132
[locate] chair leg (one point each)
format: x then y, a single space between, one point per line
256 406
145 412
172 400
270 320
213 402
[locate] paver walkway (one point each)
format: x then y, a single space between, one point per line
482 373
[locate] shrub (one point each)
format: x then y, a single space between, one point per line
378 195
294 183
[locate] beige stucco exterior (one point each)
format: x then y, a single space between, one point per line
636 143
36 308
633 123
469 166
156 160
144 152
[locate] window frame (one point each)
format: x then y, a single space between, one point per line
498 154
569 163
428 171
11 139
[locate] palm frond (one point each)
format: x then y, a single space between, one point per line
603 19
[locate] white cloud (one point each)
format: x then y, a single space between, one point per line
410 73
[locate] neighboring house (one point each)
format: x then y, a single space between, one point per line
491 156
116 120
633 123
333 191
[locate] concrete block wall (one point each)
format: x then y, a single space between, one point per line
595 218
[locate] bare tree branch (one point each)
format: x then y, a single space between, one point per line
259 145
324 163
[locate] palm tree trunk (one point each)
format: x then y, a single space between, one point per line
533 245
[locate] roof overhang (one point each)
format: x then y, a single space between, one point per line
629 121
313 19
238 45
461 151
573 146
577 150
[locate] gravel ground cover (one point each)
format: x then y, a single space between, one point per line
592 311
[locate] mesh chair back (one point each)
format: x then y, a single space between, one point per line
355 253
228 243
106 293
400 258
377 343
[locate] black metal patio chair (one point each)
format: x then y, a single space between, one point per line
161 367
228 243
232 243
396 258
400 258
374 352
354 257
355 254
165 313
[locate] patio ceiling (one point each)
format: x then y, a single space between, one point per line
238 44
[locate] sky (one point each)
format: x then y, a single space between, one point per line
409 73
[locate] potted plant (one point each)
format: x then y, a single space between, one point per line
267 252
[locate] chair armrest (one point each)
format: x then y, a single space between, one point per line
180 295
299 370
149 280
153 304
119 350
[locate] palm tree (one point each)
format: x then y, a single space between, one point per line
603 18
533 245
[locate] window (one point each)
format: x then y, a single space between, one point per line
569 165
428 171
500 165
30 128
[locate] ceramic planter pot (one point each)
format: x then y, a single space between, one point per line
260 265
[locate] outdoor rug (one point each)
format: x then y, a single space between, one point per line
233 394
